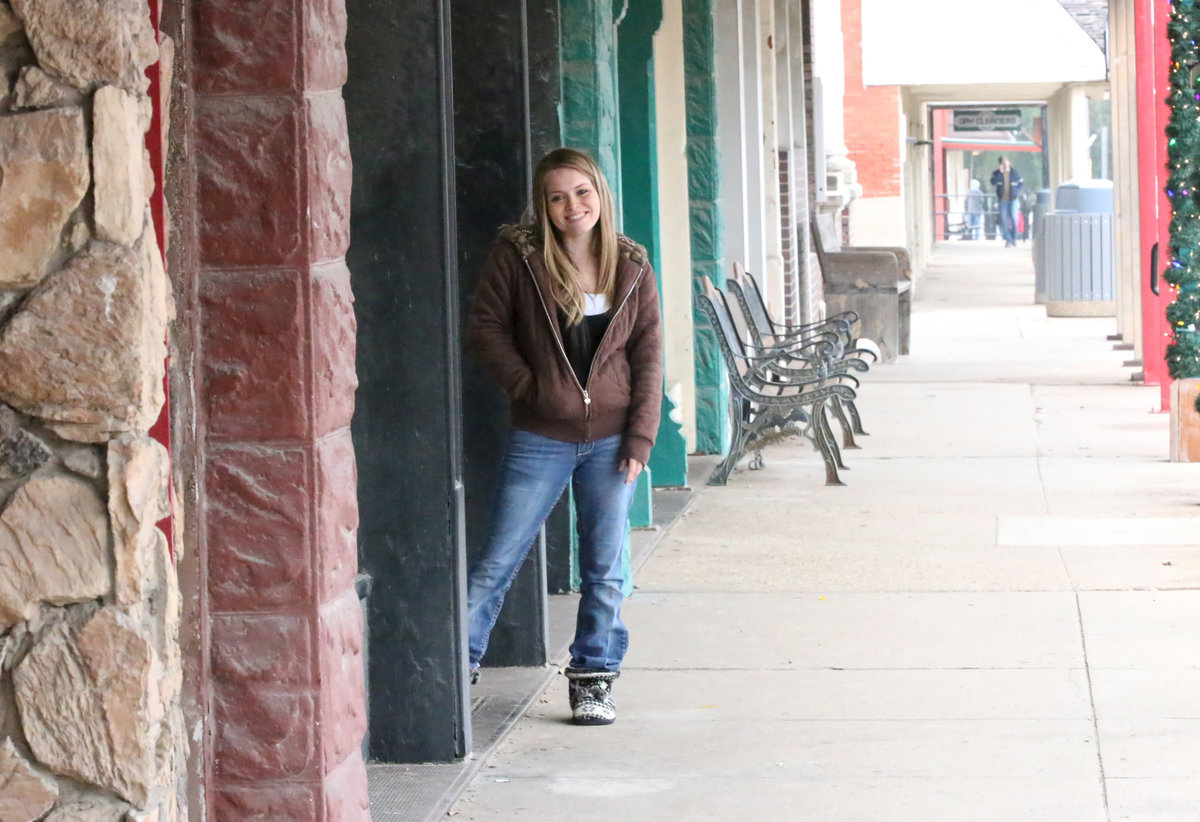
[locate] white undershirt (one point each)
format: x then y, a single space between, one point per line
594 304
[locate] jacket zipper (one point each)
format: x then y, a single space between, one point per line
587 397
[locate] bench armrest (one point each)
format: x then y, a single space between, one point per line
901 256
870 267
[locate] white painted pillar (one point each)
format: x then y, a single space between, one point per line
772 219
1126 225
753 129
731 107
917 188
829 70
1081 160
1068 114
673 214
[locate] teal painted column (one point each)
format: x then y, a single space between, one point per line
704 183
639 189
589 98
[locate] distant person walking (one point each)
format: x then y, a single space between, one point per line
973 210
1007 181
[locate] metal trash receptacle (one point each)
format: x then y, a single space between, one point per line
1078 249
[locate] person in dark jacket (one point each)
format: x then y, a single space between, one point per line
1007 181
566 321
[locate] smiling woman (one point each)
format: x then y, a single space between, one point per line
566 320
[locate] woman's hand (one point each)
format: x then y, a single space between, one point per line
632 468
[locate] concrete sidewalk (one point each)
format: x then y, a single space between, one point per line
997 618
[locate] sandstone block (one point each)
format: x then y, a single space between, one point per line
90 43
78 236
24 793
293 801
36 89
43 177
117 149
346 792
343 700
53 547
21 453
152 815
10 25
137 500
84 460
265 734
87 704
86 352
85 812
258 511
8 301
158 286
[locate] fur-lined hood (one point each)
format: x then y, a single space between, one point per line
526 238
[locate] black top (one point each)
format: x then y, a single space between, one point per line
581 341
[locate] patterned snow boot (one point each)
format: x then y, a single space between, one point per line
591 696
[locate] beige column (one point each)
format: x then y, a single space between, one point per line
673 217
1129 268
772 239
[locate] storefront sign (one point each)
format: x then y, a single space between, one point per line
987 119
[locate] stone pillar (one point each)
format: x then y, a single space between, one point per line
406 426
261 195
90 674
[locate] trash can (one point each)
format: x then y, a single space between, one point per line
1078 260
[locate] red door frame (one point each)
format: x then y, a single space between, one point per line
1153 69
161 430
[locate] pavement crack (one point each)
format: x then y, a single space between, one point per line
1087 670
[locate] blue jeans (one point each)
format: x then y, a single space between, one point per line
534 474
1008 220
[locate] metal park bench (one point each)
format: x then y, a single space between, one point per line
874 282
849 354
767 331
767 402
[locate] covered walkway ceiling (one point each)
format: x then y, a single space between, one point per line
1020 50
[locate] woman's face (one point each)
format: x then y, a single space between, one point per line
572 202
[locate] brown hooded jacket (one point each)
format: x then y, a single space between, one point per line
514 332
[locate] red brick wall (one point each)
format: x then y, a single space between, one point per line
872 122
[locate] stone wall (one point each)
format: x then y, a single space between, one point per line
90 723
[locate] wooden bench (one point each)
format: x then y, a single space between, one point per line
874 282
765 403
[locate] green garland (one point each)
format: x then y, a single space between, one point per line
1183 190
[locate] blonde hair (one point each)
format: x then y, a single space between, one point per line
564 276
